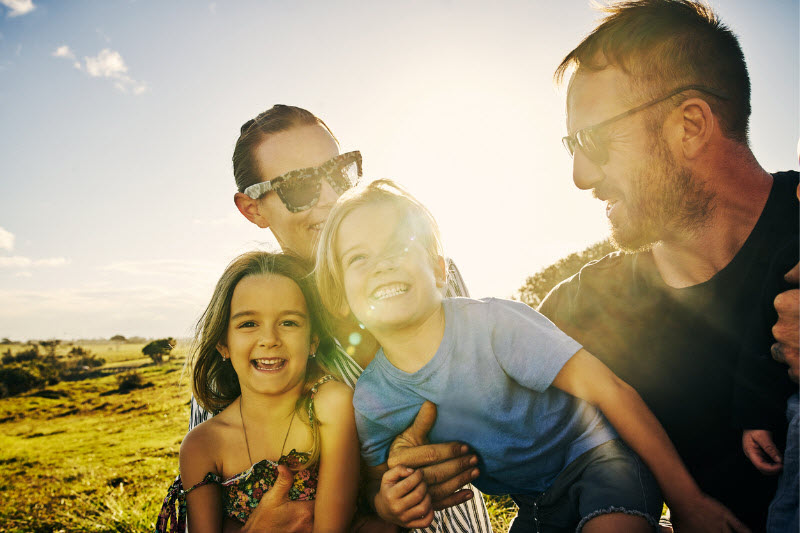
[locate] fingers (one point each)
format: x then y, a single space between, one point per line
405 497
456 498
428 454
793 276
458 470
446 488
785 329
735 525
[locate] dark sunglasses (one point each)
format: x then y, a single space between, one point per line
595 149
299 189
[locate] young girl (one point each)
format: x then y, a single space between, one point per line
262 363
504 379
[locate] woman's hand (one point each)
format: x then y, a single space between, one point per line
275 512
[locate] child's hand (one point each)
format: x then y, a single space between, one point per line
703 515
446 467
759 447
403 498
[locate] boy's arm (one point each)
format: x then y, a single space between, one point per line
337 488
585 377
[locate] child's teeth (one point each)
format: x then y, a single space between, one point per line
391 290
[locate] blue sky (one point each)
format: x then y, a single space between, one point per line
118 121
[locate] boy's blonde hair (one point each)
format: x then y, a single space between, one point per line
416 216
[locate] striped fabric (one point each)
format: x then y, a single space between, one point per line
469 517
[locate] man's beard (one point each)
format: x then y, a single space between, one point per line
666 200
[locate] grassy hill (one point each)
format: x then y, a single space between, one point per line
88 455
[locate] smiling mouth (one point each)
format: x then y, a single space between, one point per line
272 364
389 291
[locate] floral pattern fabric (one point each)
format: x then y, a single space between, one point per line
242 493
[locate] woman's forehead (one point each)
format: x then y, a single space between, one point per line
297 147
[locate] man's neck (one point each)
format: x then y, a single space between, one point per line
688 258
412 347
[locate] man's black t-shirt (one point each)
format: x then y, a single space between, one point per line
699 356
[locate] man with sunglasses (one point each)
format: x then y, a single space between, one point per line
657 113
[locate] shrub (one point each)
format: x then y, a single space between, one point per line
158 350
537 286
129 381
16 380
27 355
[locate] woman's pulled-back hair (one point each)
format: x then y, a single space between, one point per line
420 224
276 119
214 381
666 44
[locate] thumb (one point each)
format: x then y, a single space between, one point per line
423 423
284 481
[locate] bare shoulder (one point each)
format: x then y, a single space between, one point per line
203 447
333 399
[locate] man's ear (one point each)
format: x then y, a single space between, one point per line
698 124
250 209
440 271
223 351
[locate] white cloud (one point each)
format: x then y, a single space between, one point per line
18 7
162 267
212 7
64 51
23 274
106 64
6 240
18 261
15 261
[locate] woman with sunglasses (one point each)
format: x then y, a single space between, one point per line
288 174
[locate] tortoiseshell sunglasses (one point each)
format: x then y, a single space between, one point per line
299 189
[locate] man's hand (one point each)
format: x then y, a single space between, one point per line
445 467
275 512
786 329
759 447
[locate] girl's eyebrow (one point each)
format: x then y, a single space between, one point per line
285 312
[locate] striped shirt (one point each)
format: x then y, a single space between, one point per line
468 517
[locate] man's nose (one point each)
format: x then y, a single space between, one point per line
585 172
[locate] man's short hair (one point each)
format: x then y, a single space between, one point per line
664 44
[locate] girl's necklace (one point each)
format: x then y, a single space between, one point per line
249 457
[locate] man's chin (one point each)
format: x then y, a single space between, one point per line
627 240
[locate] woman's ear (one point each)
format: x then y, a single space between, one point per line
251 209
223 351
440 271
314 345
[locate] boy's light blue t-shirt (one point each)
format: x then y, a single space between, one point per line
490 379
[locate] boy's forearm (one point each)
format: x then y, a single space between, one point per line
640 429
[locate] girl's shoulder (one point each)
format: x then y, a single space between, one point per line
209 438
331 399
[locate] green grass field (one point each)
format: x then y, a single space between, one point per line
84 456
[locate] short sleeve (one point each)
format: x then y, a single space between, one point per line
528 347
